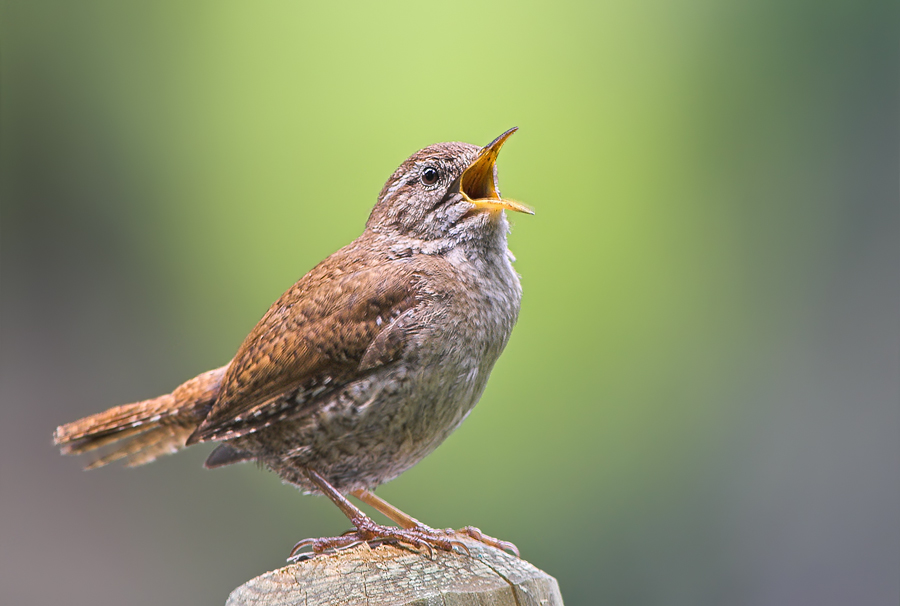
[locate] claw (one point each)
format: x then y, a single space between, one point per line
430 551
462 545
298 546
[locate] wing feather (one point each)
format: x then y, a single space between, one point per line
328 329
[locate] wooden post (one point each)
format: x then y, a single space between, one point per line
389 575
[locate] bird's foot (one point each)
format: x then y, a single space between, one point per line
472 533
475 533
408 522
367 531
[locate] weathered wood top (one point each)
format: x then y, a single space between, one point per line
390 575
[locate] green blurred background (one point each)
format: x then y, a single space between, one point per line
701 401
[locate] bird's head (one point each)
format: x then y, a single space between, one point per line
446 190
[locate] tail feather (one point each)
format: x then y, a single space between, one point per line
112 425
146 446
143 431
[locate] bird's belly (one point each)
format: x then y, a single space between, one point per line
374 429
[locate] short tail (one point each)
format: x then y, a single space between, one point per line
144 430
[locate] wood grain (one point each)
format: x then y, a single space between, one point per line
388 575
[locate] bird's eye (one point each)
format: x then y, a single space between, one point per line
429 175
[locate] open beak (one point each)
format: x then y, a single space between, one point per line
478 183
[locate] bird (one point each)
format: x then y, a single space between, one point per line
366 364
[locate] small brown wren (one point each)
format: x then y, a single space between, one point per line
366 364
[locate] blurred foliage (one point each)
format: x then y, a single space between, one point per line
708 178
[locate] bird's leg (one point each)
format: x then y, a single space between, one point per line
366 529
389 511
408 522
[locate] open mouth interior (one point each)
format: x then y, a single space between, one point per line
478 180
478 184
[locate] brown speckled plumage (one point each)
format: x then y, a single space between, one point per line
366 364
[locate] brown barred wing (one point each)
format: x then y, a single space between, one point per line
310 342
